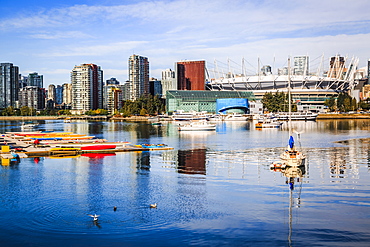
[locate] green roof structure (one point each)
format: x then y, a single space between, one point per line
200 100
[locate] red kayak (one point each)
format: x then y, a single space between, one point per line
97 155
98 147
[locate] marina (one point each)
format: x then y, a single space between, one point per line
213 188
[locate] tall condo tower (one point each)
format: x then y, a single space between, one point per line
138 76
34 79
67 94
190 75
87 87
9 84
300 66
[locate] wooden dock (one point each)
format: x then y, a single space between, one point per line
23 147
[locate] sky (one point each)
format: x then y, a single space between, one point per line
51 37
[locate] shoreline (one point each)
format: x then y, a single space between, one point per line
144 118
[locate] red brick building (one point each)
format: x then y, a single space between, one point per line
190 75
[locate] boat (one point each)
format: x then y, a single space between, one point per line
291 157
234 117
29 125
152 145
296 116
156 123
59 138
201 125
64 149
189 116
98 155
67 120
41 134
268 122
98 147
228 117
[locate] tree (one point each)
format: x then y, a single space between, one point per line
330 103
277 102
9 111
143 112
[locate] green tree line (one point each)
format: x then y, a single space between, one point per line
150 105
277 102
345 103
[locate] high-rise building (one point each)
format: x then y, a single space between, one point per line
87 87
67 95
34 79
59 95
9 85
337 67
112 81
51 92
168 81
138 76
113 97
155 87
33 97
50 101
190 75
266 70
300 66
23 81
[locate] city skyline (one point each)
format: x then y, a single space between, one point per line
50 38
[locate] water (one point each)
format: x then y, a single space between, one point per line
213 189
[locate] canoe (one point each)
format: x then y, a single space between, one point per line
152 145
51 136
62 138
97 155
98 147
43 134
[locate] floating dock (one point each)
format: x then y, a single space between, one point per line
22 145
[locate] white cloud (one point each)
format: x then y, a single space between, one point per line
95 50
168 31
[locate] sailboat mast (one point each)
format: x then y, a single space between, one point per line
289 100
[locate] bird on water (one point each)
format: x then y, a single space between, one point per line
94 216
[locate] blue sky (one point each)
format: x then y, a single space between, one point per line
51 37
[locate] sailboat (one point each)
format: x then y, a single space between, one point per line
291 156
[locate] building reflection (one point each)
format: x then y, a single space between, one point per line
143 162
192 161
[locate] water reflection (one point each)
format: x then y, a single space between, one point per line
212 189
143 162
294 178
192 161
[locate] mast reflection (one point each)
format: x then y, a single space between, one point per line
294 178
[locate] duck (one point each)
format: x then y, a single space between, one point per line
95 216
154 205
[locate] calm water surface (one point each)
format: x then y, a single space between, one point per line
212 189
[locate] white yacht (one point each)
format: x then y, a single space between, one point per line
268 122
235 117
189 116
297 116
201 125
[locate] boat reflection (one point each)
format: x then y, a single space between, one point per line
294 176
